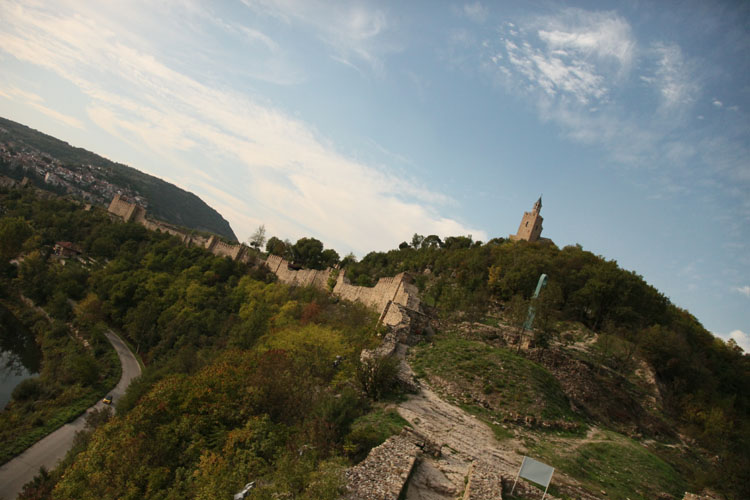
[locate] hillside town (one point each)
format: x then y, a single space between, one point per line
89 182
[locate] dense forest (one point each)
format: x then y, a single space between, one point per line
242 381
167 202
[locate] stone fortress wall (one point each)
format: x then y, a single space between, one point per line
297 277
394 298
131 212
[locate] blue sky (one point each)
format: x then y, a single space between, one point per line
361 123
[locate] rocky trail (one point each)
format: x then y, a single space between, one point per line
445 454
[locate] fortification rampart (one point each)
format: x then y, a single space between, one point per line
297 277
222 249
391 297
130 212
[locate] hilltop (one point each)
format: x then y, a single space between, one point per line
57 166
314 382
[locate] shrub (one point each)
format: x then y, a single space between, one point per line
30 388
378 375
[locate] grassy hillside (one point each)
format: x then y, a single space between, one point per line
615 386
166 201
608 350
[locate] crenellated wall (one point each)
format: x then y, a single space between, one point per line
297 277
392 297
130 212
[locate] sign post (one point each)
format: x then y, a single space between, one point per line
536 472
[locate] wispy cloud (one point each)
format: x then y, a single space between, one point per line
37 102
571 57
673 78
744 290
355 32
274 168
257 36
587 72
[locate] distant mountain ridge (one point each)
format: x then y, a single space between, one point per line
68 169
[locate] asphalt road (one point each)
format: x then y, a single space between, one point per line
50 450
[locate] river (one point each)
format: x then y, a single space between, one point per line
19 355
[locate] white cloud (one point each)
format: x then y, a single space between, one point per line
585 70
257 36
570 57
604 35
250 160
37 102
744 290
673 77
742 339
717 103
353 31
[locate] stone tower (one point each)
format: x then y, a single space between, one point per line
531 224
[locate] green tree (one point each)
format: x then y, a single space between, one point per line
14 231
276 246
329 257
457 242
308 252
432 241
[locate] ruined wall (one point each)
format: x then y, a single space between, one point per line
377 297
392 297
135 213
297 277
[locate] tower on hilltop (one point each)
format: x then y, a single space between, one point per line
531 224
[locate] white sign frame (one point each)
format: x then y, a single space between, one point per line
536 472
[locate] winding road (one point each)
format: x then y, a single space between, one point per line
48 451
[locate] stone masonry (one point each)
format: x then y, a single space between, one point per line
396 298
131 212
530 228
384 473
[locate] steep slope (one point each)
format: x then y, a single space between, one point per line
92 175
